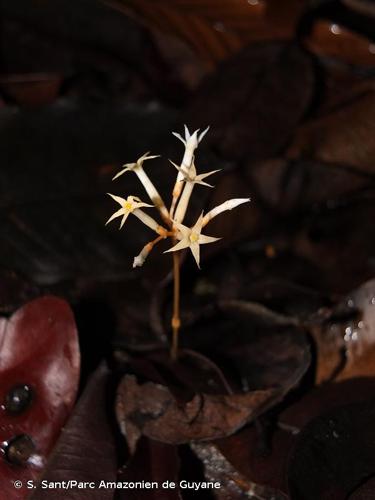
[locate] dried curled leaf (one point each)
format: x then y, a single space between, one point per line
151 409
178 403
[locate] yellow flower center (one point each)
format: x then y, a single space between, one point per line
194 237
128 206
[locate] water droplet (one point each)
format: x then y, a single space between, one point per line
348 333
361 324
373 301
335 29
18 399
36 461
350 303
19 449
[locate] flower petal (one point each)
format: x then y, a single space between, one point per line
187 133
202 134
203 239
180 246
184 230
141 204
197 228
119 200
127 169
179 137
126 215
183 171
202 183
145 157
195 250
203 176
115 215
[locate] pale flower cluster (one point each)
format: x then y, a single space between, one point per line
187 177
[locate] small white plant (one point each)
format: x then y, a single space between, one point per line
172 226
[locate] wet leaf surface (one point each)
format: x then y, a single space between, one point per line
345 338
322 465
39 368
278 326
331 40
233 485
260 453
85 450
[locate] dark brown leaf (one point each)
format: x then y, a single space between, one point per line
333 40
334 454
151 409
344 136
364 492
152 462
255 100
260 453
85 451
291 186
261 364
233 485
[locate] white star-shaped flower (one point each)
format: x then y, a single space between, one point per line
191 141
151 190
131 204
191 237
191 174
129 167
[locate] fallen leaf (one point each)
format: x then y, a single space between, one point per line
255 100
39 369
345 337
258 366
152 410
233 485
334 454
152 462
343 136
85 450
365 491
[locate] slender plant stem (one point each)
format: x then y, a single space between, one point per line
176 321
